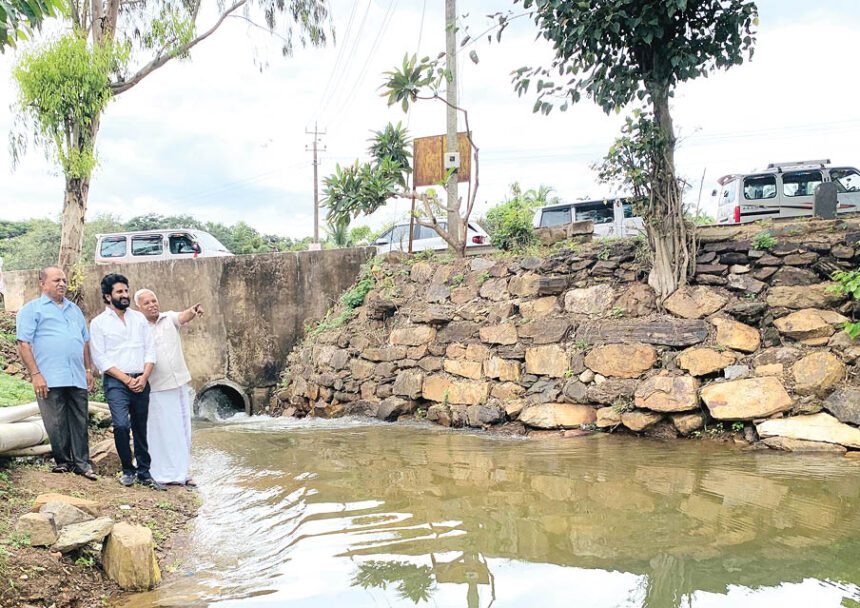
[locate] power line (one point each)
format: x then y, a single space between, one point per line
417 53
348 64
337 61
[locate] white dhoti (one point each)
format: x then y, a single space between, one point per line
169 434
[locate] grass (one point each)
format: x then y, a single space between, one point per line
764 241
14 391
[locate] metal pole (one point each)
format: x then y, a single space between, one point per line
315 147
451 115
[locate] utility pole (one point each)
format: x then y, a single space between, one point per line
315 147
451 115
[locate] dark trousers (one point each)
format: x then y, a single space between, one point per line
64 412
129 411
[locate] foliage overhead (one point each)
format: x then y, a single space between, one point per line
18 18
63 87
618 51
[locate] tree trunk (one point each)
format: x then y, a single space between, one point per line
667 230
74 209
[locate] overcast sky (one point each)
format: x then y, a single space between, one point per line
220 138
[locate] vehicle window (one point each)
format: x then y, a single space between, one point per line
759 187
208 242
599 213
846 180
555 217
423 232
113 247
181 243
151 244
399 234
729 195
800 183
628 210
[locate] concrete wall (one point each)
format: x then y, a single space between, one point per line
256 306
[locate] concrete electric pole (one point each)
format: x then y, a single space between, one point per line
315 148
452 145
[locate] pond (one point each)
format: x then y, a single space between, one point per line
354 513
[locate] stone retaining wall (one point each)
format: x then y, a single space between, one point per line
574 340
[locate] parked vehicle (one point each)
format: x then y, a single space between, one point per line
156 245
423 238
612 217
783 190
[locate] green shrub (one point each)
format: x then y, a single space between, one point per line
764 240
848 283
510 225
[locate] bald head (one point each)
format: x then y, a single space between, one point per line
53 282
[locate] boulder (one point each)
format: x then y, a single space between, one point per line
461 392
368 408
774 369
513 408
694 302
687 423
524 285
639 420
64 513
477 352
557 415
75 536
817 427
481 264
664 330
704 361
746 399
484 415
392 408
735 372
537 309
608 417
807 296
549 360
544 331
464 294
621 360
596 300
83 504
747 312
408 384
575 391
462 367
791 276
744 282
737 336
505 370
637 300
610 391
495 289
844 403
412 336
506 391
550 286
810 326
784 355
664 393
39 528
360 369
432 315
817 373
128 558
440 414
421 272
506 333
787 444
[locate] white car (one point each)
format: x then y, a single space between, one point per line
157 245
611 217
784 190
423 238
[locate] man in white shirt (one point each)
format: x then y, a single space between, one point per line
169 427
123 350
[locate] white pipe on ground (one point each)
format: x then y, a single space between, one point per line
36 450
17 435
18 412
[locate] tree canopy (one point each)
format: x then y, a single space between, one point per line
18 18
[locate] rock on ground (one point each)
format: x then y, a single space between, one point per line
75 536
39 528
746 399
817 427
129 559
557 415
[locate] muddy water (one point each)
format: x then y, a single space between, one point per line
346 513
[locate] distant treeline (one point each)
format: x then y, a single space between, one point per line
35 243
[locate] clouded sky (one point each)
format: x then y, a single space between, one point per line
220 138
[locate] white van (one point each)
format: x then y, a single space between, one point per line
784 190
156 245
612 217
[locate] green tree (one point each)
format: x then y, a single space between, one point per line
617 52
18 18
113 45
509 223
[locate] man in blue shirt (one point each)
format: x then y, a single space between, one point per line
54 344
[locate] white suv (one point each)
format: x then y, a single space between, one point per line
423 238
157 245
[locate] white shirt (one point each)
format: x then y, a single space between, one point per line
126 346
170 372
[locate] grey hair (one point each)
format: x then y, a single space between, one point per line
43 273
139 293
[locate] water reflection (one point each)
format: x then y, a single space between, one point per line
340 513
